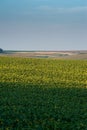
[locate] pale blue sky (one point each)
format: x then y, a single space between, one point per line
43 24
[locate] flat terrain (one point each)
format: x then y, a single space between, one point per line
43 94
48 54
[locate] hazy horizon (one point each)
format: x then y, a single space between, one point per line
43 25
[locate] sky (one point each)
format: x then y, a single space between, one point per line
43 24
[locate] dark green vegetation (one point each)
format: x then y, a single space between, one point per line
43 94
1 50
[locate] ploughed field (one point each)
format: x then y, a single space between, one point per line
43 94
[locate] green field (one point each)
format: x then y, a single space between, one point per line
43 94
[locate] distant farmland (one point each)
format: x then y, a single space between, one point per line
47 54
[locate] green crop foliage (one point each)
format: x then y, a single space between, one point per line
43 94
